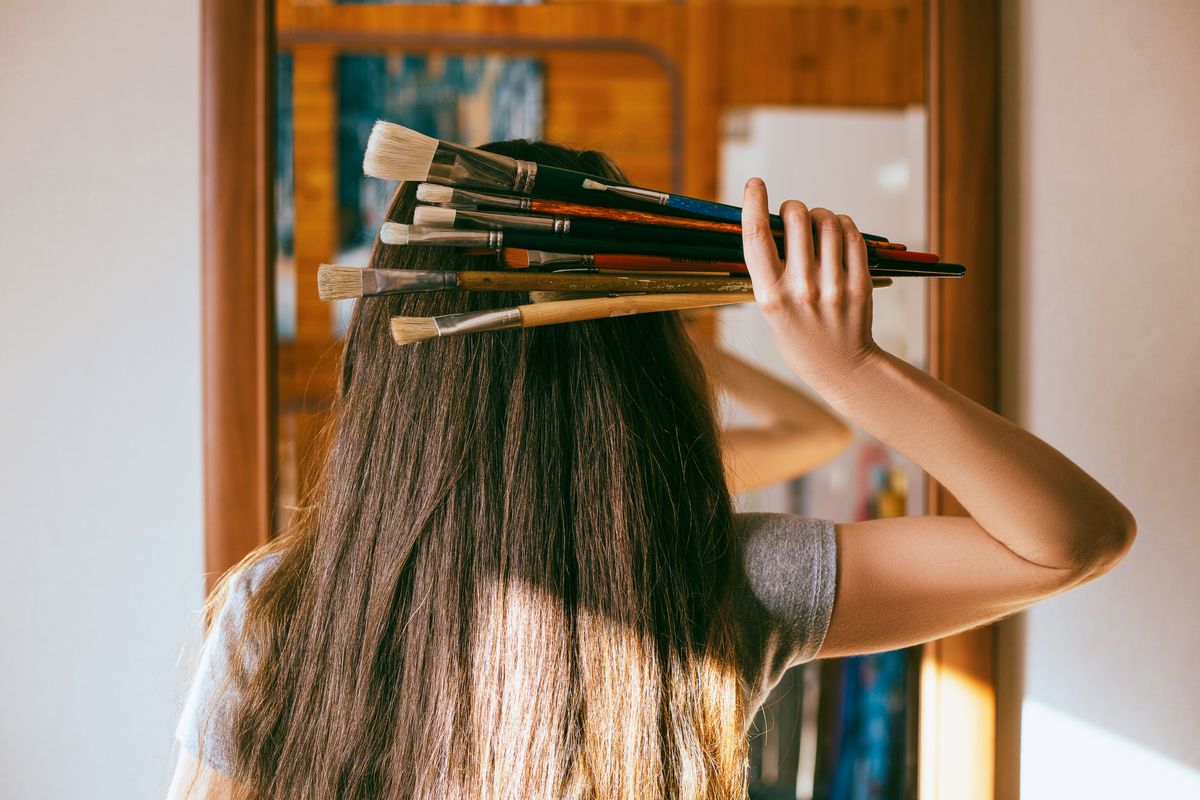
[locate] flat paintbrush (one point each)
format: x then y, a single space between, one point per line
396 233
470 200
398 153
406 330
570 228
335 282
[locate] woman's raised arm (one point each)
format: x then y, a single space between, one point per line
1039 524
796 434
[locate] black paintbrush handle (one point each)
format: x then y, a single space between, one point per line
904 269
570 244
640 232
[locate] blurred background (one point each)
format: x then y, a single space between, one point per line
173 173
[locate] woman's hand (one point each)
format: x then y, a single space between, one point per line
818 300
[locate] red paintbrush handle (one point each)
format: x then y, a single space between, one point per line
906 255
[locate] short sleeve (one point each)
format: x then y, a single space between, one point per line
785 593
205 727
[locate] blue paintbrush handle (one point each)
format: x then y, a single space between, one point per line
555 180
729 213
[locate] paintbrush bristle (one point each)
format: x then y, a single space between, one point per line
394 233
435 216
515 258
406 330
398 153
433 193
339 283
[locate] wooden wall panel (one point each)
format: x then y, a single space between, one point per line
866 53
619 103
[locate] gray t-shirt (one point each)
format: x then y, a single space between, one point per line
782 603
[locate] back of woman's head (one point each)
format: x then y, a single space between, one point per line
511 582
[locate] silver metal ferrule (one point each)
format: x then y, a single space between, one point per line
526 177
477 321
388 281
455 237
465 198
632 192
498 219
456 165
541 258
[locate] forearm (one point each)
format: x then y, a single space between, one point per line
770 401
1019 489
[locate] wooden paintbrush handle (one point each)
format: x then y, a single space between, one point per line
584 282
556 312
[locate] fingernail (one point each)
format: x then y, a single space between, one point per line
755 182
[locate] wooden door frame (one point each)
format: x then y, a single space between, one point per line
957 689
957 710
237 278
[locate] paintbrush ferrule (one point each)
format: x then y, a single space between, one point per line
454 165
558 226
541 258
467 199
455 237
384 281
477 321
632 192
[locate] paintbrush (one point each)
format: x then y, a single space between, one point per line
396 233
406 330
572 228
336 282
440 216
454 197
517 258
398 153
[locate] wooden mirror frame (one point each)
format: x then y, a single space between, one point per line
957 742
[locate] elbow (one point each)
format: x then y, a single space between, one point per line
1123 536
1113 539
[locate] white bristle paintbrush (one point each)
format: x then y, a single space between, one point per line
336 282
406 330
398 153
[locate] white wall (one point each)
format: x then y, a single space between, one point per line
1101 357
100 480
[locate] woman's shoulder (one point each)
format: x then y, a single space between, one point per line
206 720
246 578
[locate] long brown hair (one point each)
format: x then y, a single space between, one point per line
513 581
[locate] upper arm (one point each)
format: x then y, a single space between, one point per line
909 580
758 457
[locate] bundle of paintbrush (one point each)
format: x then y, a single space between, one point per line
543 221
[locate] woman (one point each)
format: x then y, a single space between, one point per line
523 578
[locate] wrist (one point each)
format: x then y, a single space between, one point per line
852 376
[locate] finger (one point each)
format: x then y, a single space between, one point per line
831 276
880 283
801 267
854 249
758 243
